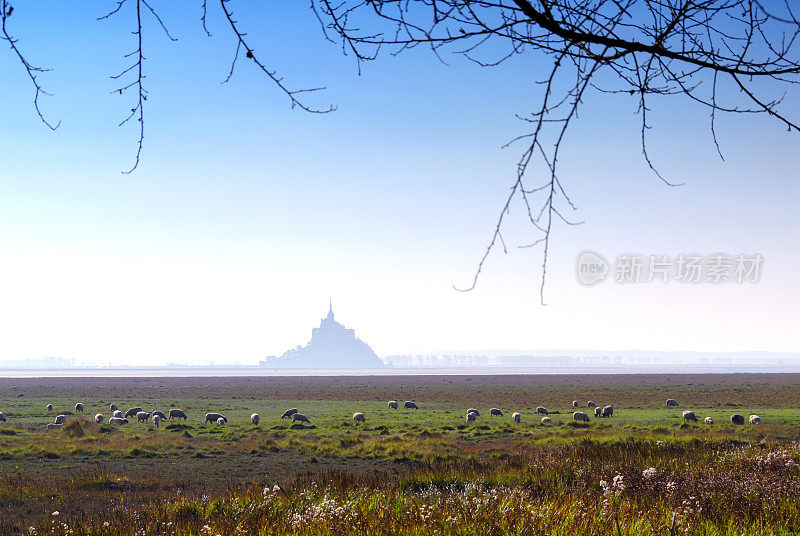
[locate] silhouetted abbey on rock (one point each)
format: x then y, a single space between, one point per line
332 346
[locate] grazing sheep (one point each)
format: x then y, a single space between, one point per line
542 411
118 414
755 419
221 421
689 416
143 416
708 420
546 420
79 407
737 419
156 420
393 404
214 417
471 416
495 412
598 411
177 413
254 418
160 415
580 416
61 419
608 411
289 412
575 404
475 411
671 402
300 417
516 416
117 420
408 404
99 418
53 426
133 411
359 417
2 417
591 404
113 407
49 407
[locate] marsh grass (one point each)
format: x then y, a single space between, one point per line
588 487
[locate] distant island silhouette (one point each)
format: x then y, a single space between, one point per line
332 346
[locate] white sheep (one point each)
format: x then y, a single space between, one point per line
359 417
755 419
541 411
598 411
61 419
475 411
580 416
689 416
591 404
737 419
393 404
575 404
53 426
113 407
99 418
221 421
118 414
517 417
546 420
79 407
608 411
156 420
409 404
300 417
708 420
142 416
495 412
254 418
118 420
2 417
471 416
49 407
671 402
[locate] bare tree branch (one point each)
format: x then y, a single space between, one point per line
7 9
645 48
137 66
241 43
203 19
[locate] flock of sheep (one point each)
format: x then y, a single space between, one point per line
689 416
118 418
156 416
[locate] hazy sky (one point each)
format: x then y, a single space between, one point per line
246 216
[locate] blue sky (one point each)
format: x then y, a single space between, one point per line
245 216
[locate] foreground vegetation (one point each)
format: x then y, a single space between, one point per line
587 487
644 471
